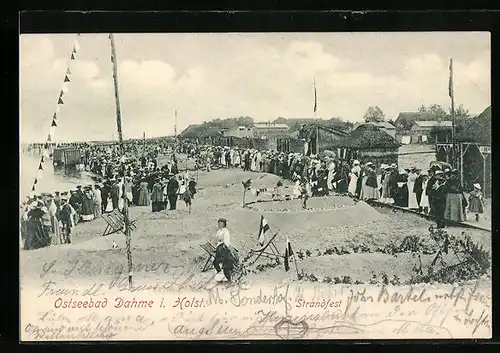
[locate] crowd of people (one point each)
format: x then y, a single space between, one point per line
436 191
48 218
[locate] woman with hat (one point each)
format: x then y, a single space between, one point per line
424 198
225 254
369 188
157 202
87 211
476 201
455 210
36 236
96 190
143 198
53 211
412 197
386 189
355 173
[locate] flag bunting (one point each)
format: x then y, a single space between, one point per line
53 125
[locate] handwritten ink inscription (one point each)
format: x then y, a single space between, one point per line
200 310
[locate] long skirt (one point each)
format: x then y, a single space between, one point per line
143 199
228 257
370 193
412 197
97 209
36 236
424 201
475 205
157 206
454 210
109 206
351 189
56 236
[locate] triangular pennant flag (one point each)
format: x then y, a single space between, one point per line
42 160
33 188
54 124
61 93
35 182
40 166
66 78
68 72
60 101
54 117
264 227
49 139
76 46
72 56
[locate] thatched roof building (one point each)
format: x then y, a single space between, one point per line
477 129
367 137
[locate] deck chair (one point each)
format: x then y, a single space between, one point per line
116 222
210 250
268 250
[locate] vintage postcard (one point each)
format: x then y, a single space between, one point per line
248 186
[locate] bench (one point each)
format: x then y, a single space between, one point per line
116 222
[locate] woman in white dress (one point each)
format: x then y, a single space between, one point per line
424 201
225 254
355 172
412 197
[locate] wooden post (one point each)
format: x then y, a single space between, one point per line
462 164
114 61
244 195
484 172
450 91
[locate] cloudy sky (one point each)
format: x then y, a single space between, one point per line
264 76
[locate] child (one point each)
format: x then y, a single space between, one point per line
476 201
187 197
304 193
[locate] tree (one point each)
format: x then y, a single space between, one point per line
434 112
374 114
461 113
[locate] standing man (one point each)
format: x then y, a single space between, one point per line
417 188
172 189
65 217
438 193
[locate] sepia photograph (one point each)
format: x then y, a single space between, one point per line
255 186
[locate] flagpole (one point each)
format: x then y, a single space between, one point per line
316 116
114 61
451 93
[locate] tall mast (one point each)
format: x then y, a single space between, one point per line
114 61
451 94
316 116
175 124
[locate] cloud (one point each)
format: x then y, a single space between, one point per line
307 58
222 76
35 51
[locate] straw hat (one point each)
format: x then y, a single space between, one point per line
477 186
